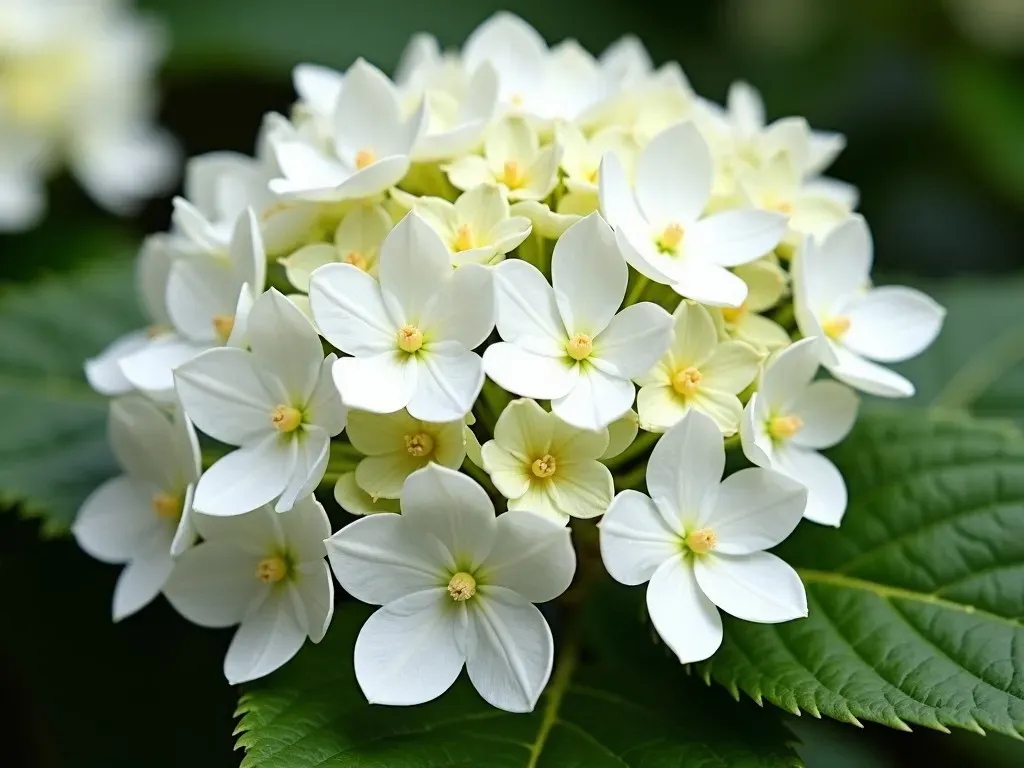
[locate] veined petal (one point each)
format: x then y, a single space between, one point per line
755 509
686 468
282 340
618 204
382 476
304 528
449 379
694 337
673 176
464 309
367 114
144 440
724 408
687 621
589 276
200 288
247 478
731 367
633 341
315 589
528 374
756 587
532 556
735 237
576 444
324 407
659 408
525 429
828 411
213 584
635 539
379 434
508 472
527 313
758 445
582 489
383 383
356 501
826 489
311 451
350 312
595 400
267 638
414 268
836 267
247 253
892 323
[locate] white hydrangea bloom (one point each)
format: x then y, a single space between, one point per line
701 542
457 586
791 417
264 571
276 402
564 342
855 323
143 517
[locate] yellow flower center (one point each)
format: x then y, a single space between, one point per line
356 259
462 587
286 418
686 381
512 175
836 327
779 205
419 445
701 541
410 338
579 346
671 238
782 427
364 157
463 238
167 506
545 466
731 315
223 325
271 570
37 89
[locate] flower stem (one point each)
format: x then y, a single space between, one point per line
643 443
636 292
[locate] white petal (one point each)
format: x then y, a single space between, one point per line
837 266
186 534
367 114
694 336
414 266
247 253
755 509
735 237
282 340
527 313
383 383
532 556
103 371
758 446
621 434
660 408
723 407
116 520
589 276
151 369
687 621
311 451
618 204
509 649
372 180
226 396
524 429
267 639
708 284
511 46
380 558
455 509
635 539
731 367
213 584
828 411
144 440
867 376
349 310
463 310
383 476
247 478
756 587
408 652
633 341
356 501
673 176
595 400
142 579
746 108
788 375
525 373
200 288
826 489
324 407
448 381
892 323
686 466
317 86
582 489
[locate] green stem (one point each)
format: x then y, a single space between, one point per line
636 291
644 442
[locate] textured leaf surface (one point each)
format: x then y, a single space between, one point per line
916 603
53 449
312 713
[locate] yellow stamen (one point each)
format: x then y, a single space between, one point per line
579 346
671 238
223 325
286 418
687 381
463 238
836 327
364 157
731 315
167 506
782 427
272 569
512 175
410 338
419 445
356 259
462 587
545 466
701 541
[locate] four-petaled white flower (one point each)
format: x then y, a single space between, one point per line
566 343
276 401
661 228
143 517
477 227
791 417
700 542
457 586
542 464
855 323
697 372
370 145
411 334
264 571
396 445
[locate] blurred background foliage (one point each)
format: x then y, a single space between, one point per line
930 94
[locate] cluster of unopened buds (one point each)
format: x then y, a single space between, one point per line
495 249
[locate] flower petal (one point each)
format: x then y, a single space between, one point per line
826 489
524 429
349 310
304 528
324 407
528 374
356 501
148 444
828 411
621 434
685 467
735 237
214 583
582 489
508 472
116 520
449 379
151 369
633 340
383 476
142 579
724 408
660 408
673 176
311 452
596 399
509 649
383 383
787 376
589 276
414 267
378 434
527 313
532 556
282 340
247 478
837 266
758 445
464 309
755 509
708 284
756 587
367 114
694 337
315 589
731 367
892 323
381 558
686 620
867 376
103 371
266 640
408 652
635 539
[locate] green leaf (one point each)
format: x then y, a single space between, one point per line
53 447
596 714
916 602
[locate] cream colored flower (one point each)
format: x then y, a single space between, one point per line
766 286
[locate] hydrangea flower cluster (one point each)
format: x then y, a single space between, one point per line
441 294
76 88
